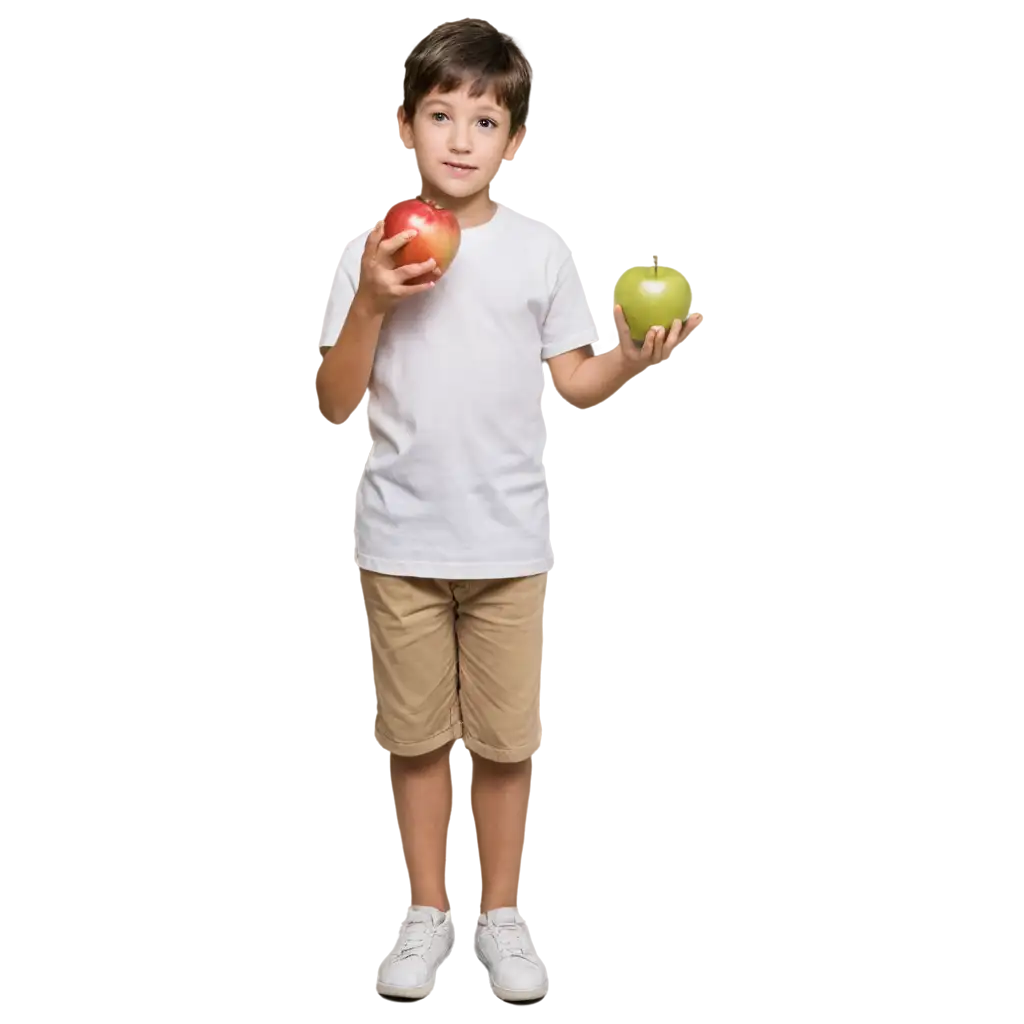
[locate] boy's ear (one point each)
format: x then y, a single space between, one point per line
515 142
400 131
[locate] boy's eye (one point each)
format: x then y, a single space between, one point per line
437 116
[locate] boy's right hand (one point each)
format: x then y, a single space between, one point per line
381 283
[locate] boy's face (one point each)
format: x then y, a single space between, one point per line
454 128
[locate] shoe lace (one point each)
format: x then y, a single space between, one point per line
512 940
416 939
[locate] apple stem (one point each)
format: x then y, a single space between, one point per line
655 266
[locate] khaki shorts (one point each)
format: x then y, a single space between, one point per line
456 658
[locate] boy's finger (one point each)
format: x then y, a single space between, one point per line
373 238
674 329
659 344
396 242
405 290
415 269
648 346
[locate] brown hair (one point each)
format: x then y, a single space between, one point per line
474 49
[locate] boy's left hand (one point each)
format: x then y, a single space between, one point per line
657 345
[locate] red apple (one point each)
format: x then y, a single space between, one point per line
438 238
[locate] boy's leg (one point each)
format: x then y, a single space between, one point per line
415 665
500 626
420 793
500 793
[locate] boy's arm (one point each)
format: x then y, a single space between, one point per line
571 336
584 379
580 377
344 374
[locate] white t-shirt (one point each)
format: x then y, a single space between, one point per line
454 487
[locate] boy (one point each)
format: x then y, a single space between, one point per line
451 513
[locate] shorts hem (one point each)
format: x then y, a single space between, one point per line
504 755
417 747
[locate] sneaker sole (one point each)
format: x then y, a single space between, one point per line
514 995
517 996
396 992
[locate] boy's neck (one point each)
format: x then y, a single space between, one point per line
471 212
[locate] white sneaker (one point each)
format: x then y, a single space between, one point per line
424 940
504 946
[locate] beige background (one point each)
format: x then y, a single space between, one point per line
193 824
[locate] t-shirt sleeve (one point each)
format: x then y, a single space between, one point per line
343 291
568 323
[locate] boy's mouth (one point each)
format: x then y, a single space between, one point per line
459 170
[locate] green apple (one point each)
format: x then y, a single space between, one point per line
652 296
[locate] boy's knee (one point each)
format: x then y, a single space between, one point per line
415 761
